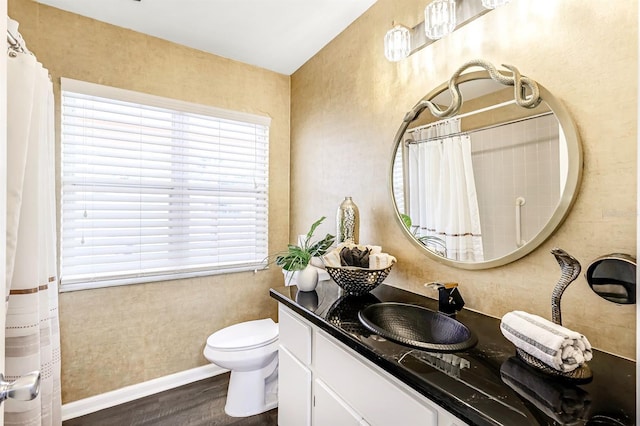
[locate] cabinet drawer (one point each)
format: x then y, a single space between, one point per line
367 391
294 334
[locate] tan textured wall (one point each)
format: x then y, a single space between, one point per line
115 337
348 101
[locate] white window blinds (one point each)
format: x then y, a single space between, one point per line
156 189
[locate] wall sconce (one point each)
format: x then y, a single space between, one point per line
441 17
492 4
397 43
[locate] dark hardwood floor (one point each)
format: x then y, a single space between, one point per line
196 404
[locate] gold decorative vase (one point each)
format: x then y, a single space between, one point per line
348 222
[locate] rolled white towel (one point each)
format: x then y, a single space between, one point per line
555 345
374 249
332 258
317 262
380 260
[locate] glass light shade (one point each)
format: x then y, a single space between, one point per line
439 18
397 43
492 4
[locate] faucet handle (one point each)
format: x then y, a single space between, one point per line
438 285
434 285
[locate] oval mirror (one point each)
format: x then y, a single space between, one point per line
490 184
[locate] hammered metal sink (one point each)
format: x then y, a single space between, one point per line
417 327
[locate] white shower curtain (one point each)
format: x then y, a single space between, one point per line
443 203
32 337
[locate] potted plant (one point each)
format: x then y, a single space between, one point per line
296 258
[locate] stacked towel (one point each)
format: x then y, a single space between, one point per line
556 346
380 260
377 259
332 258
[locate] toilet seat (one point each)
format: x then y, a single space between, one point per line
244 336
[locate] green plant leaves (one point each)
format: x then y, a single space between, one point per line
311 231
321 247
406 220
296 258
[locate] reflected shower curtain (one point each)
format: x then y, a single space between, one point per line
443 203
32 337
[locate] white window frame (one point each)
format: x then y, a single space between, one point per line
86 281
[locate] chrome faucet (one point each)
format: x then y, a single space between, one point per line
449 298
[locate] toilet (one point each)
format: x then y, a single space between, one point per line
250 350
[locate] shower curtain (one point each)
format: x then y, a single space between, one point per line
443 203
32 337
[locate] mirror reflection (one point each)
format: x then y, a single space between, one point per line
485 184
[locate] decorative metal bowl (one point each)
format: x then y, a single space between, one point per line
358 281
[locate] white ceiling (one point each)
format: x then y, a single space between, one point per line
279 35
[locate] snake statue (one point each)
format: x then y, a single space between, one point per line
520 83
570 268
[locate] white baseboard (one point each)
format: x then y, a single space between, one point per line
130 393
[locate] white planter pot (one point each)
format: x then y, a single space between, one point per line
306 279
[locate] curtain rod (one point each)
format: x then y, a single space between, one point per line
466 114
492 126
14 43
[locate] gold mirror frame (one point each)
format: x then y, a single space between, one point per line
567 198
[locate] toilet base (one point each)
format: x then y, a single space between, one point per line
245 399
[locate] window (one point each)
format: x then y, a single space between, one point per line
156 189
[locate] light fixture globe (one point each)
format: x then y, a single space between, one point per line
439 18
397 43
492 4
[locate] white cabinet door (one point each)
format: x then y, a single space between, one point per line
330 410
294 391
380 401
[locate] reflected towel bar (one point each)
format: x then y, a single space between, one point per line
520 201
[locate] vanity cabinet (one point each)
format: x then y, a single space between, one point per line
323 382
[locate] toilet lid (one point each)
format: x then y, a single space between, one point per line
246 335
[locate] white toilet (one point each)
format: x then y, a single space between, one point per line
250 351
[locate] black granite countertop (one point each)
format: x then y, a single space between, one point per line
486 385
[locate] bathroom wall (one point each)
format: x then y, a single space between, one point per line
347 103
114 337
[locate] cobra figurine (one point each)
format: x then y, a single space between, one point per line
570 268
